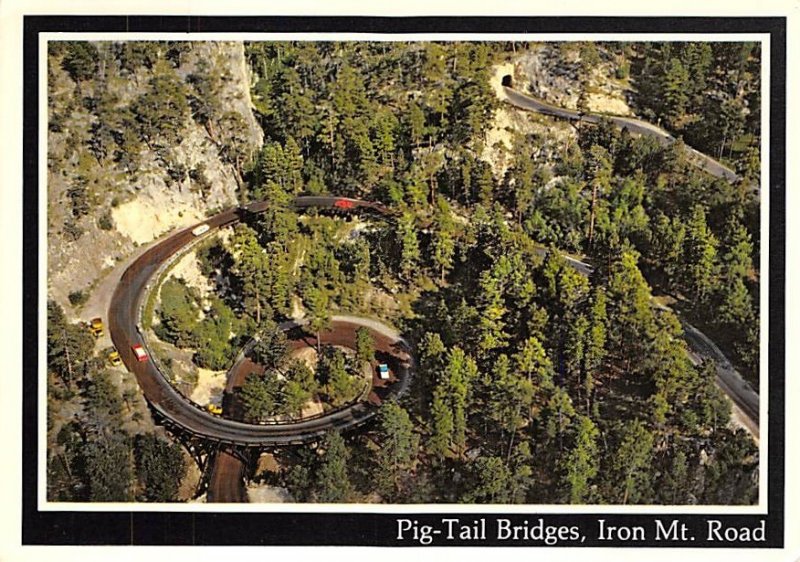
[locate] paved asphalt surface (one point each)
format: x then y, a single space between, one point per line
177 409
731 382
523 101
227 477
226 484
702 348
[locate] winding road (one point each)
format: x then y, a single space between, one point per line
729 380
227 478
177 410
636 126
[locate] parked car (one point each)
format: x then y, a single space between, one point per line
114 358
383 371
96 327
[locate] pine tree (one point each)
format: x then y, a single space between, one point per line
443 237
399 444
630 318
737 254
441 425
581 464
159 466
416 124
675 86
108 466
365 345
699 258
493 479
493 310
69 346
409 245
510 397
632 464
595 344
599 173
333 481
80 60
533 363
260 396
319 312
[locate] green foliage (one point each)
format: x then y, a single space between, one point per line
161 112
706 92
77 298
333 482
80 60
398 449
631 464
78 195
270 349
69 346
159 467
699 258
732 472
443 237
365 346
341 380
629 310
409 246
565 378
451 401
105 221
493 479
103 397
109 470
260 395
178 313
580 465
215 348
319 312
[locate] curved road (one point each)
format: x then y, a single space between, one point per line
172 406
637 126
175 408
728 379
227 479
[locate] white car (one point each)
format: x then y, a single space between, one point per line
198 230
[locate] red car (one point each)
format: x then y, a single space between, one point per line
343 204
139 352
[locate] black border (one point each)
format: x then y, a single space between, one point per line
371 529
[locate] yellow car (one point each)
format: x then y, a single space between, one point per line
114 358
214 409
96 327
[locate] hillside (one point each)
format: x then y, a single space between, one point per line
535 381
124 166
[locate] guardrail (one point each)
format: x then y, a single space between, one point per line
157 280
360 397
359 411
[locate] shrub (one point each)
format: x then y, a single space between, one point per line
77 298
105 222
72 231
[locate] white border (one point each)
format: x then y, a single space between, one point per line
45 505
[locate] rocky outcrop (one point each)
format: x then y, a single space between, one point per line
127 210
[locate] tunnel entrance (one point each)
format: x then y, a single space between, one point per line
507 80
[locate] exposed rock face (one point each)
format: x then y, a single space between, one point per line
136 209
551 73
510 124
